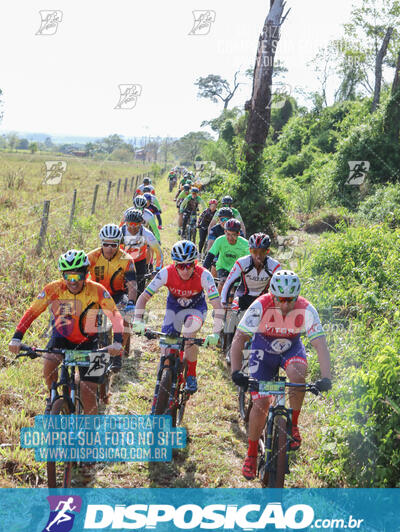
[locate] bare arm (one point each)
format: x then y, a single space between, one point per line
321 347
238 343
141 305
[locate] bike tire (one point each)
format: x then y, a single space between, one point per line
164 391
193 235
179 412
245 404
279 453
59 473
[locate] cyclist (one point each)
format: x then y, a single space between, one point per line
74 302
140 202
188 207
153 205
229 248
113 268
276 320
136 239
227 201
186 180
186 305
254 271
182 195
204 221
146 183
223 215
172 177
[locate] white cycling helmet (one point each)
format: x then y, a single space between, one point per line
184 251
110 232
140 202
285 283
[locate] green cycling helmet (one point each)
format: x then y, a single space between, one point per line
73 260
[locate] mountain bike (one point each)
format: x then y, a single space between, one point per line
69 401
170 396
274 444
191 226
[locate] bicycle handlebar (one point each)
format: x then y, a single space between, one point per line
253 386
35 352
151 335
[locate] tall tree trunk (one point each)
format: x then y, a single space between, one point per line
392 115
378 69
259 106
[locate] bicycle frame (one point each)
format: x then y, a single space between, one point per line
173 358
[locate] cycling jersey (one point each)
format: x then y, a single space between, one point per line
150 221
200 281
182 195
236 214
139 191
252 283
216 231
185 298
263 317
136 245
73 316
191 204
113 273
227 253
154 201
205 218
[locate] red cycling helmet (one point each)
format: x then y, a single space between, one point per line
213 202
259 241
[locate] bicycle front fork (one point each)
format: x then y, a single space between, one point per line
272 413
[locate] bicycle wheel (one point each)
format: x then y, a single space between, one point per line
59 473
182 396
245 404
193 235
161 406
277 468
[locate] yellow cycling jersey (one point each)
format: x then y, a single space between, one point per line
112 274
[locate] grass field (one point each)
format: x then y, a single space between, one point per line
216 437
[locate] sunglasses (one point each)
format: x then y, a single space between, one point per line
109 245
286 299
185 266
224 219
133 224
74 277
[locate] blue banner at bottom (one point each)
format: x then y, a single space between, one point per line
161 509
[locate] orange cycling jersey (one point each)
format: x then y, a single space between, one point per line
73 316
112 274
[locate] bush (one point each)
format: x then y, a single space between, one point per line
356 273
382 206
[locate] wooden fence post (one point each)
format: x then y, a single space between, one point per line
43 228
71 215
108 190
96 188
125 185
118 187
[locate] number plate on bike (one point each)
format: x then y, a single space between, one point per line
271 387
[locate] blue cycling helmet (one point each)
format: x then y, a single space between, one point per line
148 196
184 251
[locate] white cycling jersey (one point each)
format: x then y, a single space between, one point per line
252 283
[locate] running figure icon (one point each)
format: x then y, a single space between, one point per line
61 518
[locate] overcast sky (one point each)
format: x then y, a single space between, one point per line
68 82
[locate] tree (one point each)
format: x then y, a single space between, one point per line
214 87
12 139
188 146
23 144
33 146
112 142
48 143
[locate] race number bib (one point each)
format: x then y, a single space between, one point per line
98 364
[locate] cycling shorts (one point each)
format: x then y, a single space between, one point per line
264 365
179 310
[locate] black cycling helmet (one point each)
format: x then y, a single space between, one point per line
233 225
133 215
186 186
227 200
225 212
